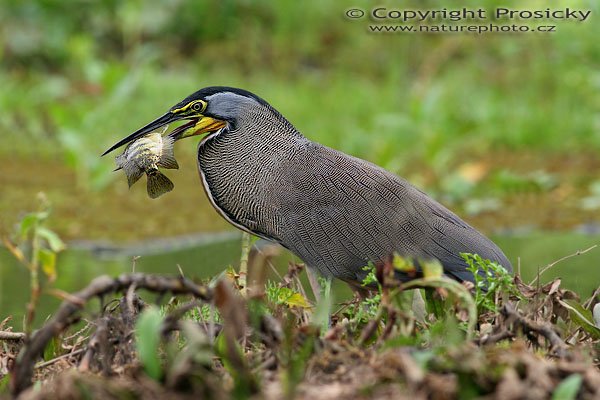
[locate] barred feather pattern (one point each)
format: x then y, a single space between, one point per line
335 211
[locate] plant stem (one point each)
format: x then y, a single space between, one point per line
459 290
34 284
244 263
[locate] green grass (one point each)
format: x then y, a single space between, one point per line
391 99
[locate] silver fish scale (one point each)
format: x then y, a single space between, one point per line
334 211
145 152
146 155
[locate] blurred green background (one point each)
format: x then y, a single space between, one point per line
502 128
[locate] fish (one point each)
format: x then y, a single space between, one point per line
146 155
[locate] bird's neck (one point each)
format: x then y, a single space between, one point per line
266 121
241 167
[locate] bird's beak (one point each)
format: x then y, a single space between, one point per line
198 126
151 127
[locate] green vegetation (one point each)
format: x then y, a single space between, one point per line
100 71
479 121
495 281
35 247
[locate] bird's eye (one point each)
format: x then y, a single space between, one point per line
197 106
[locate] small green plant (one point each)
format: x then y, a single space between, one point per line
491 280
147 333
568 388
36 247
206 313
276 294
368 308
370 278
294 354
360 313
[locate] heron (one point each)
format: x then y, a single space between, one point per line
336 212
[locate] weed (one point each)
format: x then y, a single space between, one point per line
35 246
148 331
281 295
491 281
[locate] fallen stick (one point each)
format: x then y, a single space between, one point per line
55 360
495 338
528 325
12 335
552 264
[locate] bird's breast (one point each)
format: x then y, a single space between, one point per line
242 177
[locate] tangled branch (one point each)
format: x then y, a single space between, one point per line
22 372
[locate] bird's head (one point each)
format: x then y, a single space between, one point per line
206 110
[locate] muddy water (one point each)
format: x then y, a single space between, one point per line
206 255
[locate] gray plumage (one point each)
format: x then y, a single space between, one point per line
335 211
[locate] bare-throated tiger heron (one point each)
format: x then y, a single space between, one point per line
335 211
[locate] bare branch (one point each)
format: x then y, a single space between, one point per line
552 264
528 325
12 335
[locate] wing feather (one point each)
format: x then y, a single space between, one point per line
358 212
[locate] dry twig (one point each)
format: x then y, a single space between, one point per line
552 264
4 335
528 325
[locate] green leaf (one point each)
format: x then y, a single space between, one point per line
297 300
52 349
568 388
4 385
291 299
54 242
403 264
432 269
370 278
47 260
27 223
582 317
147 333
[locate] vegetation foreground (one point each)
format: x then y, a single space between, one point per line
227 339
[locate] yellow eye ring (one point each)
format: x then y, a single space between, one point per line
197 106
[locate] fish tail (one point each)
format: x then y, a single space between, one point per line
167 158
158 184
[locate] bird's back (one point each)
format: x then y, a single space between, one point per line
341 212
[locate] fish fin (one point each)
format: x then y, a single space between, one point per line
132 172
120 160
167 158
158 184
168 161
